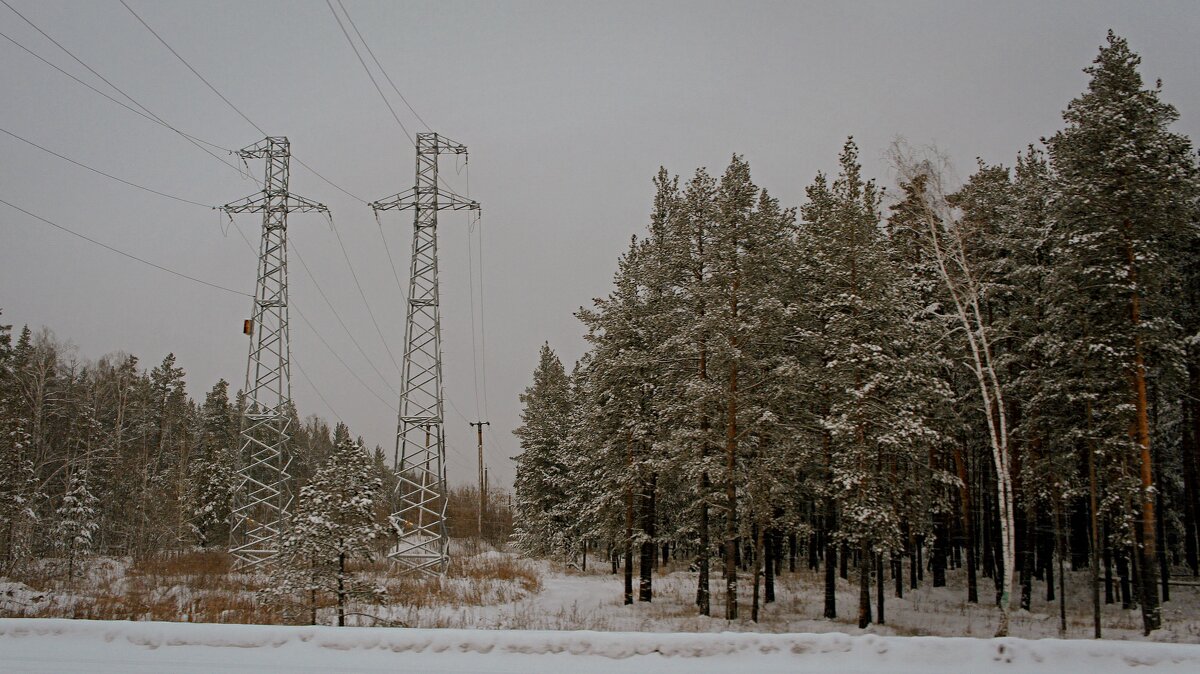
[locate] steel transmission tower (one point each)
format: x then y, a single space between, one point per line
263 499
420 521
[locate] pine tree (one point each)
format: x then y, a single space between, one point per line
213 478
16 467
876 376
334 523
540 470
1124 191
77 520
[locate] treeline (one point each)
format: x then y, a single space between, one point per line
1005 378
109 458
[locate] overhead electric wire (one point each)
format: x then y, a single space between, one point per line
474 348
315 389
338 316
339 358
388 251
106 175
368 71
198 142
118 251
314 330
93 71
227 101
245 117
337 234
380 66
128 107
251 247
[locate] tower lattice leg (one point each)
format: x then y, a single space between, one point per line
420 519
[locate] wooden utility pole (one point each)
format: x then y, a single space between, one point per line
482 480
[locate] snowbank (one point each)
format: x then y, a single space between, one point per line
109 646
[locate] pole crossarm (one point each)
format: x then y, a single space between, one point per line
263 499
260 202
420 519
409 200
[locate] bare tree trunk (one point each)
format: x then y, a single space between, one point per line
864 585
1191 461
341 590
964 494
731 608
1151 612
965 291
646 562
879 583
770 536
629 521
830 562
758 569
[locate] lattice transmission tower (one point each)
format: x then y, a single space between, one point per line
263 500
420 521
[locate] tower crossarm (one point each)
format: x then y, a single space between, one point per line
263 201
409 200
271 146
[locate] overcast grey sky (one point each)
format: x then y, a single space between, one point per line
568 109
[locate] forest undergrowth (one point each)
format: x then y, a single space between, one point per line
493 590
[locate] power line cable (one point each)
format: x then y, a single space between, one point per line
245 117
93 71
363 295
387 250
230 103
340 359
106 175
315 389
251 246
118 251
381 68
128 107
338 316
368 71
304 265
189 67
322 339
482 304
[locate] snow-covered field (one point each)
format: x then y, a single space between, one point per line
500 613
100 647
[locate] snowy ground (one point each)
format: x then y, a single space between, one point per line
100 647
570 600
499 613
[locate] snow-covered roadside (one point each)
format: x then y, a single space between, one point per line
51 645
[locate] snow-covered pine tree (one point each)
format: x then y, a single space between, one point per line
16 468
620 374
735 199
690 408
213 476
334 523
877 377
77 520
21 401
540 469
1125 190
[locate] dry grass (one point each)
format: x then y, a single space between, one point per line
478 581
192 587
200 586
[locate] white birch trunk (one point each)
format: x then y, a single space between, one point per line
966 295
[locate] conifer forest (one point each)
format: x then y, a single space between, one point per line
816 412
1001 378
